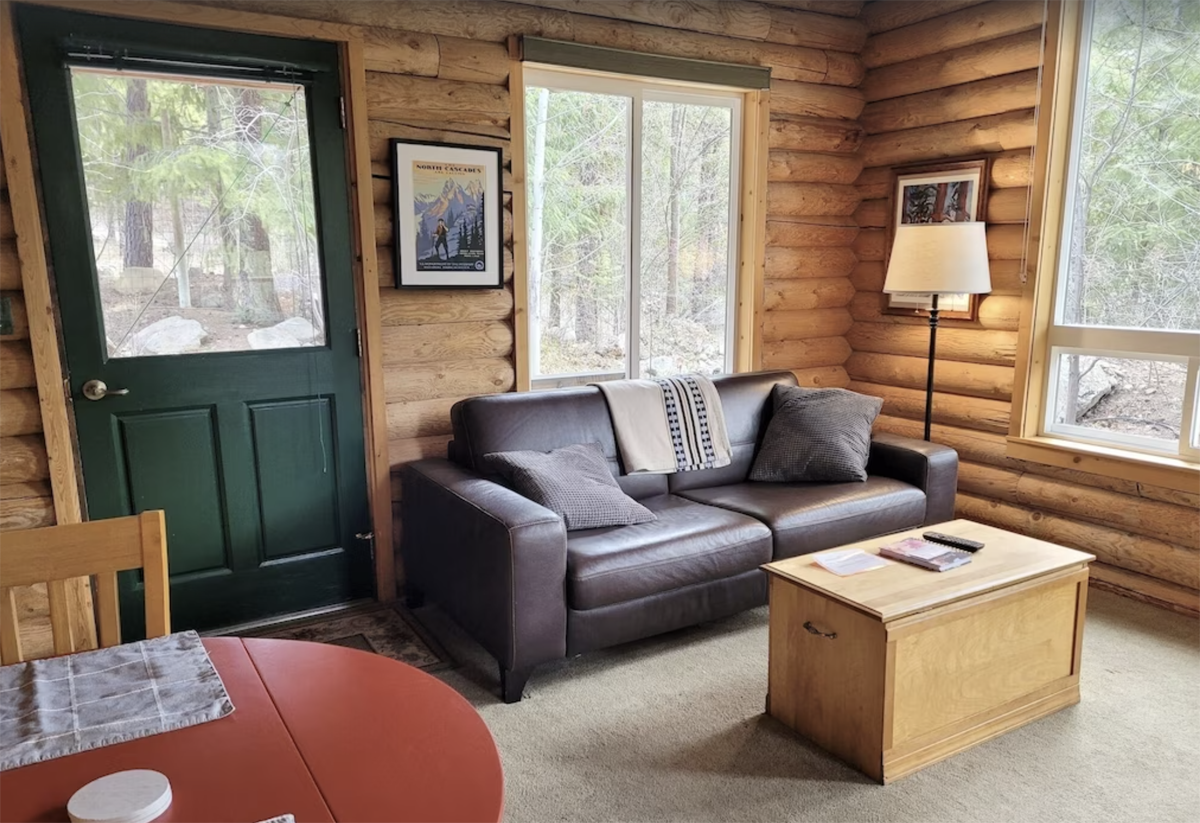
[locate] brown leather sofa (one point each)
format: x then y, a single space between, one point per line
509 573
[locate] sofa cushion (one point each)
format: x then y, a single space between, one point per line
810 517
541 421
817 435
688 543
746 401
574 482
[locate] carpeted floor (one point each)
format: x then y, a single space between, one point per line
672 729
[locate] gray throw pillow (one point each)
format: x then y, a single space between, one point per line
573 482
817 435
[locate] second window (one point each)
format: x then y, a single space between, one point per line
632 217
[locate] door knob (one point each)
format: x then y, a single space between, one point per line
98 390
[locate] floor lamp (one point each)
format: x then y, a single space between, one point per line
932 259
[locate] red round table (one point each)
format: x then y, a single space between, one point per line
320 732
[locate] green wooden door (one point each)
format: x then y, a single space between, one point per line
199 228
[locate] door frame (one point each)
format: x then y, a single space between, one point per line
41 298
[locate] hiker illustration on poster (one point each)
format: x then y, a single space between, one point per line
448 205
448 209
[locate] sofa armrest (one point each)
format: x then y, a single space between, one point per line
492 559
931 468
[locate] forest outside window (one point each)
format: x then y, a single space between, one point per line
1121 341
632 193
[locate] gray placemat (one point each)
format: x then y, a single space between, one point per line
63 705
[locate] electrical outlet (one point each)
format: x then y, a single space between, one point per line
6 318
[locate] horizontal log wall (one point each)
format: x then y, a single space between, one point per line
438 71
26 501
25 498
957 79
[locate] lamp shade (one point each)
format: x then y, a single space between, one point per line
939 258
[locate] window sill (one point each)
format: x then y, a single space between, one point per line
1107 461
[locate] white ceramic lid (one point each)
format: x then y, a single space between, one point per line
136 796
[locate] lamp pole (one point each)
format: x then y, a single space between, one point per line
933 324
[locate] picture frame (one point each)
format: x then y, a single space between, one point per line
447 207
942 192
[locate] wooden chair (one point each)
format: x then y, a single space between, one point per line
98 548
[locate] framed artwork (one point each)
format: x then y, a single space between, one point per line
943 193
447 205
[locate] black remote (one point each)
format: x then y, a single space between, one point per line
953 541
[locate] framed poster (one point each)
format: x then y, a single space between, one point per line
447 205
942 193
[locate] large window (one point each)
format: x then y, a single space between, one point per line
631 227
1122 336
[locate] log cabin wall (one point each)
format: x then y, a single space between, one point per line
440 70
26 501
956 79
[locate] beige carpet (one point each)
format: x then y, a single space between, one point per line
673 729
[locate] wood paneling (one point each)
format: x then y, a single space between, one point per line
951 68
815 134
806 167
954 79
951 31
968 101
494 22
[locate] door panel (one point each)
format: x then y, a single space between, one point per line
153 446
199 232
297 481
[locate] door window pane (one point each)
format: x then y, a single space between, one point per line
1132 255
686 151
202 212
577 161
1119 398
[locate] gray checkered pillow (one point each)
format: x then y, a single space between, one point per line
573 482
817 435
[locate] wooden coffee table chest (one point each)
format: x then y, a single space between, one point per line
897 668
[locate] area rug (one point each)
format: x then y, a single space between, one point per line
382 629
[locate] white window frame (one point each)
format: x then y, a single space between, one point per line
640 91
1035 435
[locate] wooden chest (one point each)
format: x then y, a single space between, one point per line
897 668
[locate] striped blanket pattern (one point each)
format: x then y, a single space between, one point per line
689 422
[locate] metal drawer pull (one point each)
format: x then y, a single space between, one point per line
814 630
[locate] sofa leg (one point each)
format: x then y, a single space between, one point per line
512 683
414 598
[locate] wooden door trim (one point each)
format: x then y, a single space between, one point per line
520 282
379 483
43 331
365 265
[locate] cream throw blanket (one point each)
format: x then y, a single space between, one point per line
668 425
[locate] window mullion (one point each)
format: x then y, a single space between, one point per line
1190 412
733 250
634 215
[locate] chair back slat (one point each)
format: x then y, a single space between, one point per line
155 574
60 616
10 634
75 550
98 548
108 615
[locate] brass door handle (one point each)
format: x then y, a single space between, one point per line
98 390
814 630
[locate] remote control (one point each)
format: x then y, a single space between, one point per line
955 542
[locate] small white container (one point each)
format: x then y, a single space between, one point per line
136 796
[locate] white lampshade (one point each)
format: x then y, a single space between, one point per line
939 258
